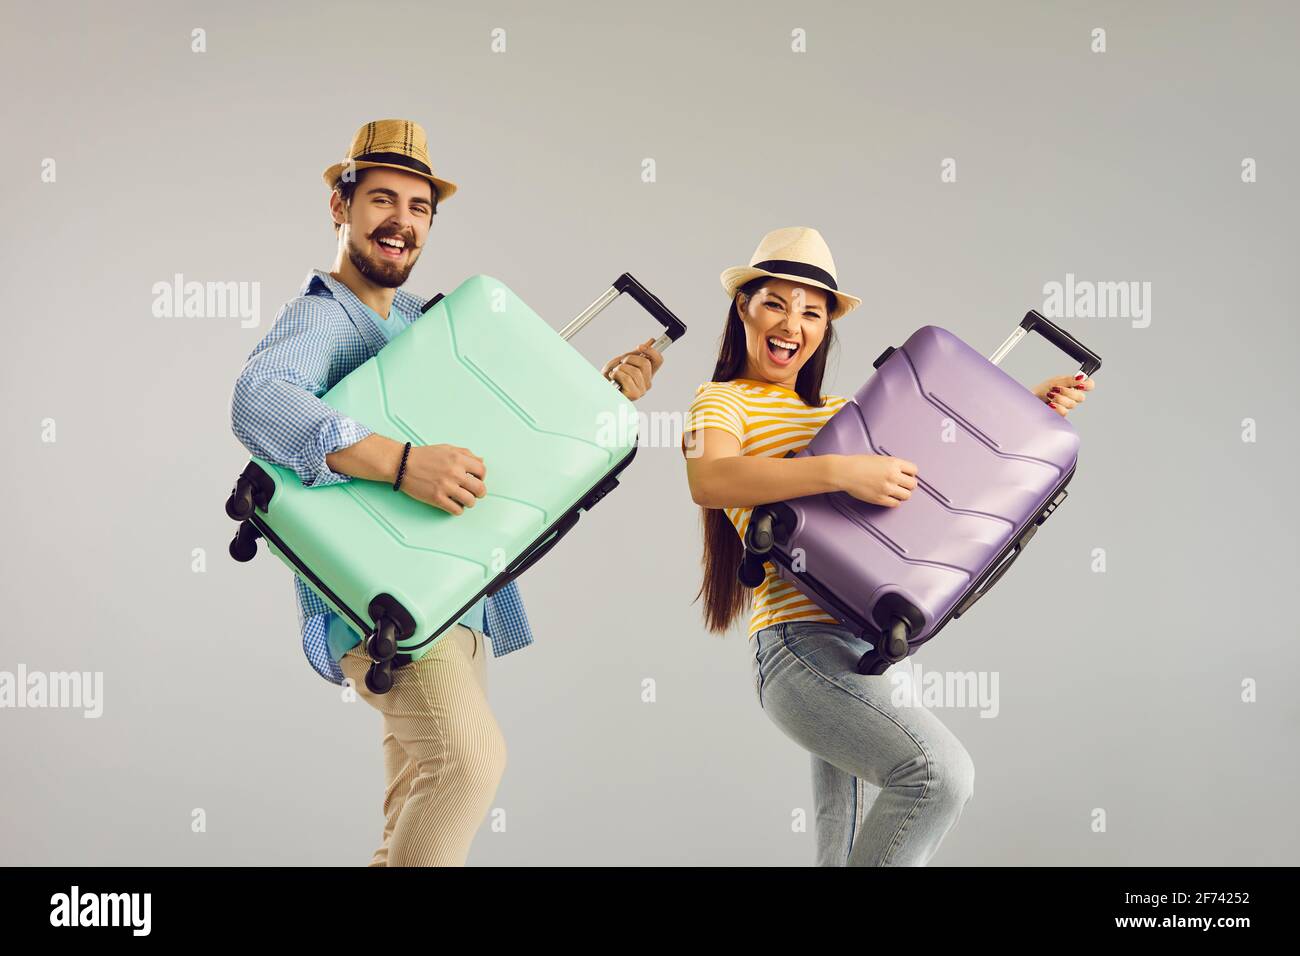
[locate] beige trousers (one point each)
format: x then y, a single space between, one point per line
443 750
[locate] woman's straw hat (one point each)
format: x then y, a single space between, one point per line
797 253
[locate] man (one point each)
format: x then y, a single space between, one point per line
443 750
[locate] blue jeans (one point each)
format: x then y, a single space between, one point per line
889 780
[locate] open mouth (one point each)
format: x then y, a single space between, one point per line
391 247
782 351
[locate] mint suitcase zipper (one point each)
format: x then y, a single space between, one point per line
482 370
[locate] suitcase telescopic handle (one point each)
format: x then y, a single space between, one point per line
674 328
627 282
1089 361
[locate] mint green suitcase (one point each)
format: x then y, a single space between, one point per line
482 370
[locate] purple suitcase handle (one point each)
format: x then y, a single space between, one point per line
1089 361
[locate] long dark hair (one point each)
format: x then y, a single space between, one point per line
725 598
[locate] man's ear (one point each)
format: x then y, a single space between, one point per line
338 209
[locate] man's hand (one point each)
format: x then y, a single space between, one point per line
445 476
635 370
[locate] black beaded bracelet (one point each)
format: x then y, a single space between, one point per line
401 469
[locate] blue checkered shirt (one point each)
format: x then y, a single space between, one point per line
276 412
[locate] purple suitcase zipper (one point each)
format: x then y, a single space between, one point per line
993 462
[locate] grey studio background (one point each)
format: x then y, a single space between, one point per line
1120 690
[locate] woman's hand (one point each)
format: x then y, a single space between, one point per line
1064 392
876 479
635 370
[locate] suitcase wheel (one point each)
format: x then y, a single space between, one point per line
253 489
895 642
379 678
888 649
382 644
872 664
240 503
760 536
759 539
751 571
243 546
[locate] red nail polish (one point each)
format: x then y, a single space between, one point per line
1051 404
1079 377
1056 388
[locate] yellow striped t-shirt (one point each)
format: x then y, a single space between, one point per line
768 420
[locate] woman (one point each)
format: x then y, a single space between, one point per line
765 401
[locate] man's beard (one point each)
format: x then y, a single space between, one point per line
390 275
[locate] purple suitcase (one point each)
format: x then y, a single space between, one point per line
992 464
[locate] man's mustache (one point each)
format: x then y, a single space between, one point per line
408 239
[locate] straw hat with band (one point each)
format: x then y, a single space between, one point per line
393 144
797 253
